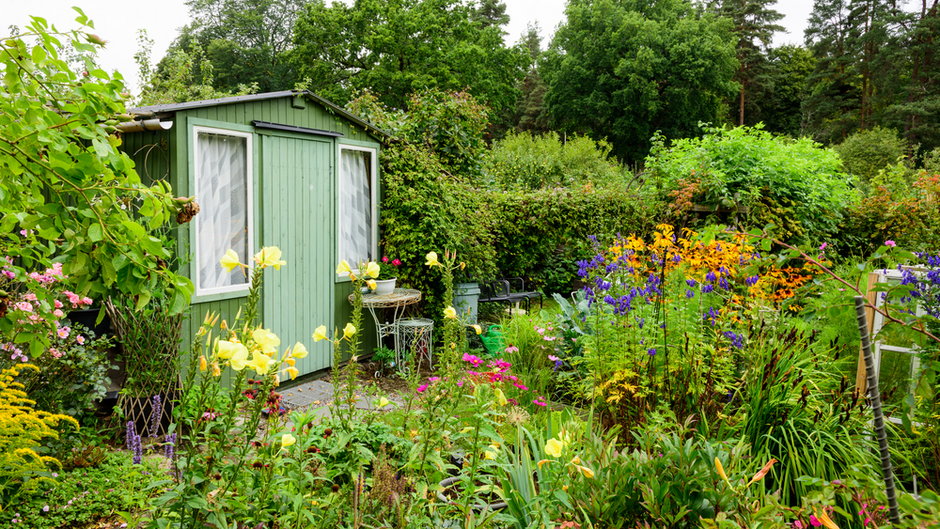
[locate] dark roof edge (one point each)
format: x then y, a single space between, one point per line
174 107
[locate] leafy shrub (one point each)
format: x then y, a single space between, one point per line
797 184
87 495
904 214
525 161
867 152
73 375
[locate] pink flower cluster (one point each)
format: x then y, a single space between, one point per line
75 299
51 275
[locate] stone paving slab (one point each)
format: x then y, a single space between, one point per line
313 393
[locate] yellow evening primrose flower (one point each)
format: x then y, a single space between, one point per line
450 313
382 402
501 397
349 330
226 349
270 256
431 259
319 333
343 267
373 270
554 447
266 340
477 328
239 358
371 284
292 372
299 351
291 362
230 261
588 473
287 440
216 370
261 363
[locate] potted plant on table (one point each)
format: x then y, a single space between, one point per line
388 275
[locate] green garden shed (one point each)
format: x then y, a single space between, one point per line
286 169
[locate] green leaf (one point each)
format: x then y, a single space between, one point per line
95 232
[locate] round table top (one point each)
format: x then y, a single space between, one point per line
398 298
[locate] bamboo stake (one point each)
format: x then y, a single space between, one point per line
874 395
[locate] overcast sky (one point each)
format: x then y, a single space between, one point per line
117 21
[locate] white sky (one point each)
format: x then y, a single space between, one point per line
117 21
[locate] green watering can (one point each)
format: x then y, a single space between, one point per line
493 340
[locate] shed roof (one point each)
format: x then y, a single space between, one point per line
174 107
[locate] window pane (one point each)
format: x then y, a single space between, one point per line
222 223
355 206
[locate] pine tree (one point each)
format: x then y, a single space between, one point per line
754 24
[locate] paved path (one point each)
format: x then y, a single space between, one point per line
317 395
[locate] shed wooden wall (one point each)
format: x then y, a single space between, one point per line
165 155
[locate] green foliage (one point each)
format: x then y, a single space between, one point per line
88 496
67 184
73 375
625 69
866 153
788 70
524 161
396 48
540 234
747 166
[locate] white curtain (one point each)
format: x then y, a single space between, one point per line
355 206
222 222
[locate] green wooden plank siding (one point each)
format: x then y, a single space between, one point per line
298 209
295 209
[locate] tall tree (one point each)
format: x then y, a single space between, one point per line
624 69
398 47
788 71
754 24
531 114
244 40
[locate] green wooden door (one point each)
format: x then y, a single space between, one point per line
297 216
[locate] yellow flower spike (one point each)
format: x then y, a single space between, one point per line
266 340
450 313
226 349
343 267
554 447
431 259
269 256
230 261
320 333
203 363
349 330
371 284
292 372
287 440
477 328
239 358
501 398
373 270
299 351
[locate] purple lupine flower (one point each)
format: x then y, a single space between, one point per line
592 238
610 300
707 288
651 351
676 258
156 415
751 281
691 282
711 277
723 283
612 267
133 442
689 294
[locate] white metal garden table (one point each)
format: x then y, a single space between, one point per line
393 305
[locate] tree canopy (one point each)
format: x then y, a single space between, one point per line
624 69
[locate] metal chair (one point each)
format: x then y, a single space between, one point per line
521 293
